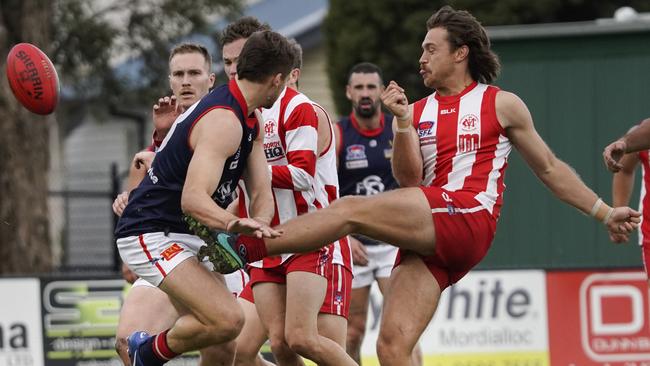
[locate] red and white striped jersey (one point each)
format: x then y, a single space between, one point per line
644 197
299 179
464 148
327 190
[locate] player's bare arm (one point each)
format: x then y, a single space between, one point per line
258 187
136 174
215 137
407 157
636 139
622 185
561 179
324 135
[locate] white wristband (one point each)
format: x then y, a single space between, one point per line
404 129
594 209
608 216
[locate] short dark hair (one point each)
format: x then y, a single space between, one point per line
265 54
366 68
242 28
464 29
188 47
297 48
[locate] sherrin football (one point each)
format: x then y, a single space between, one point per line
32 78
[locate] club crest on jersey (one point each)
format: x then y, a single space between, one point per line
426 131
355 157
468 138
269 128
469 123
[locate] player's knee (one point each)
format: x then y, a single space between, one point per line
280 348
302 342
229 324
390 350
354 337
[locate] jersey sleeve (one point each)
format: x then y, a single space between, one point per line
301 138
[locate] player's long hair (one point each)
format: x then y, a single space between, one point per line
464 29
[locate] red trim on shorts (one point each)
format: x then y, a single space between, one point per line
339 291
149 257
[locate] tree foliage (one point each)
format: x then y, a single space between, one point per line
119 49
389 33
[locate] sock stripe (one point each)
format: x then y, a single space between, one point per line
160 347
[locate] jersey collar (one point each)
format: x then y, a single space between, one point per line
236 92
365 132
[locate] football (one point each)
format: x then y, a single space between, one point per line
32 78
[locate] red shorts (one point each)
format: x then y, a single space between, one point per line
247 293
645 255
339 280
464 233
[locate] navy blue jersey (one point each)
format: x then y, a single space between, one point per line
155 205
364 160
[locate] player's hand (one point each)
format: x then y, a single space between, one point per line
359 252
618 238
612 155
144 159
165 113
623 220
394 99
128 274
252 227
120 203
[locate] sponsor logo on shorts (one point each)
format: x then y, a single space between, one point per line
242 250
338 298
451 209
171 251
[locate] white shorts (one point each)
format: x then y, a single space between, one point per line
236 281
152 256
381 258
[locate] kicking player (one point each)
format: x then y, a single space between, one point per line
449 152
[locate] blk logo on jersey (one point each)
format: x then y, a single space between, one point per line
426 131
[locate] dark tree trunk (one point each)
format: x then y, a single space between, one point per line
24 150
